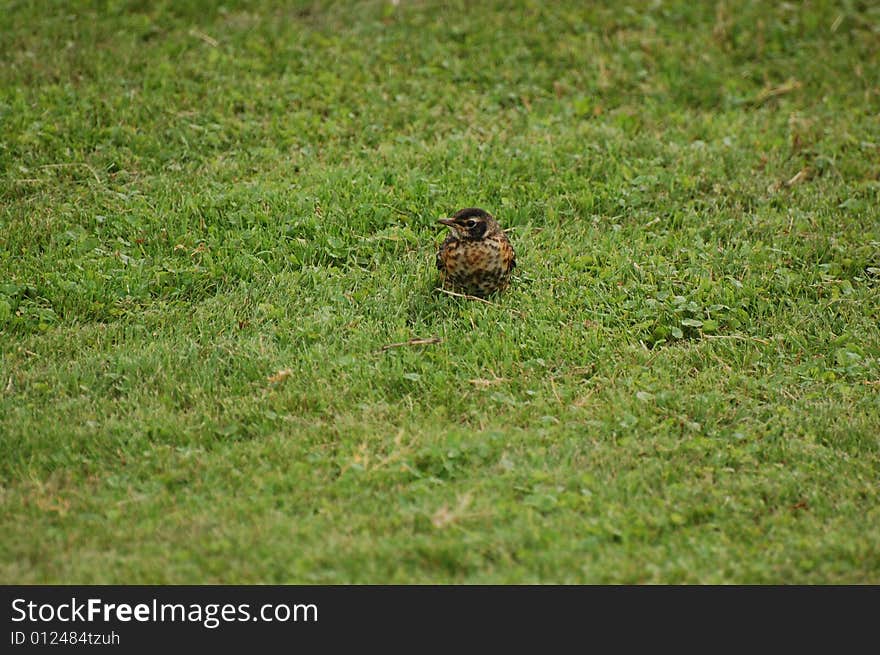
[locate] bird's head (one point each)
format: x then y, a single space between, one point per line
471 223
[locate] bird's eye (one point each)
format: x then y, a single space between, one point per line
471 222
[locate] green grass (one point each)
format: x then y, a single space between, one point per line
212 219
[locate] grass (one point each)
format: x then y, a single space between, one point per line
214 219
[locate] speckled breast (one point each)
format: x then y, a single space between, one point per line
477 267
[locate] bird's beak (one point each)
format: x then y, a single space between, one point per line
450 222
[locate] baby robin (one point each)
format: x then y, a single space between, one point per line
476 257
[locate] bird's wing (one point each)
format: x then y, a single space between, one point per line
441 265
509 255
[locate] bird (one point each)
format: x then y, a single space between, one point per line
476 257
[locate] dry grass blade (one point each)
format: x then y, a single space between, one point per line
412 342
775 92
800 176
279 376
465 295
477 298
204 37
484 383
445 516
736 336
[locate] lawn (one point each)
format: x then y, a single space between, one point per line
217 239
